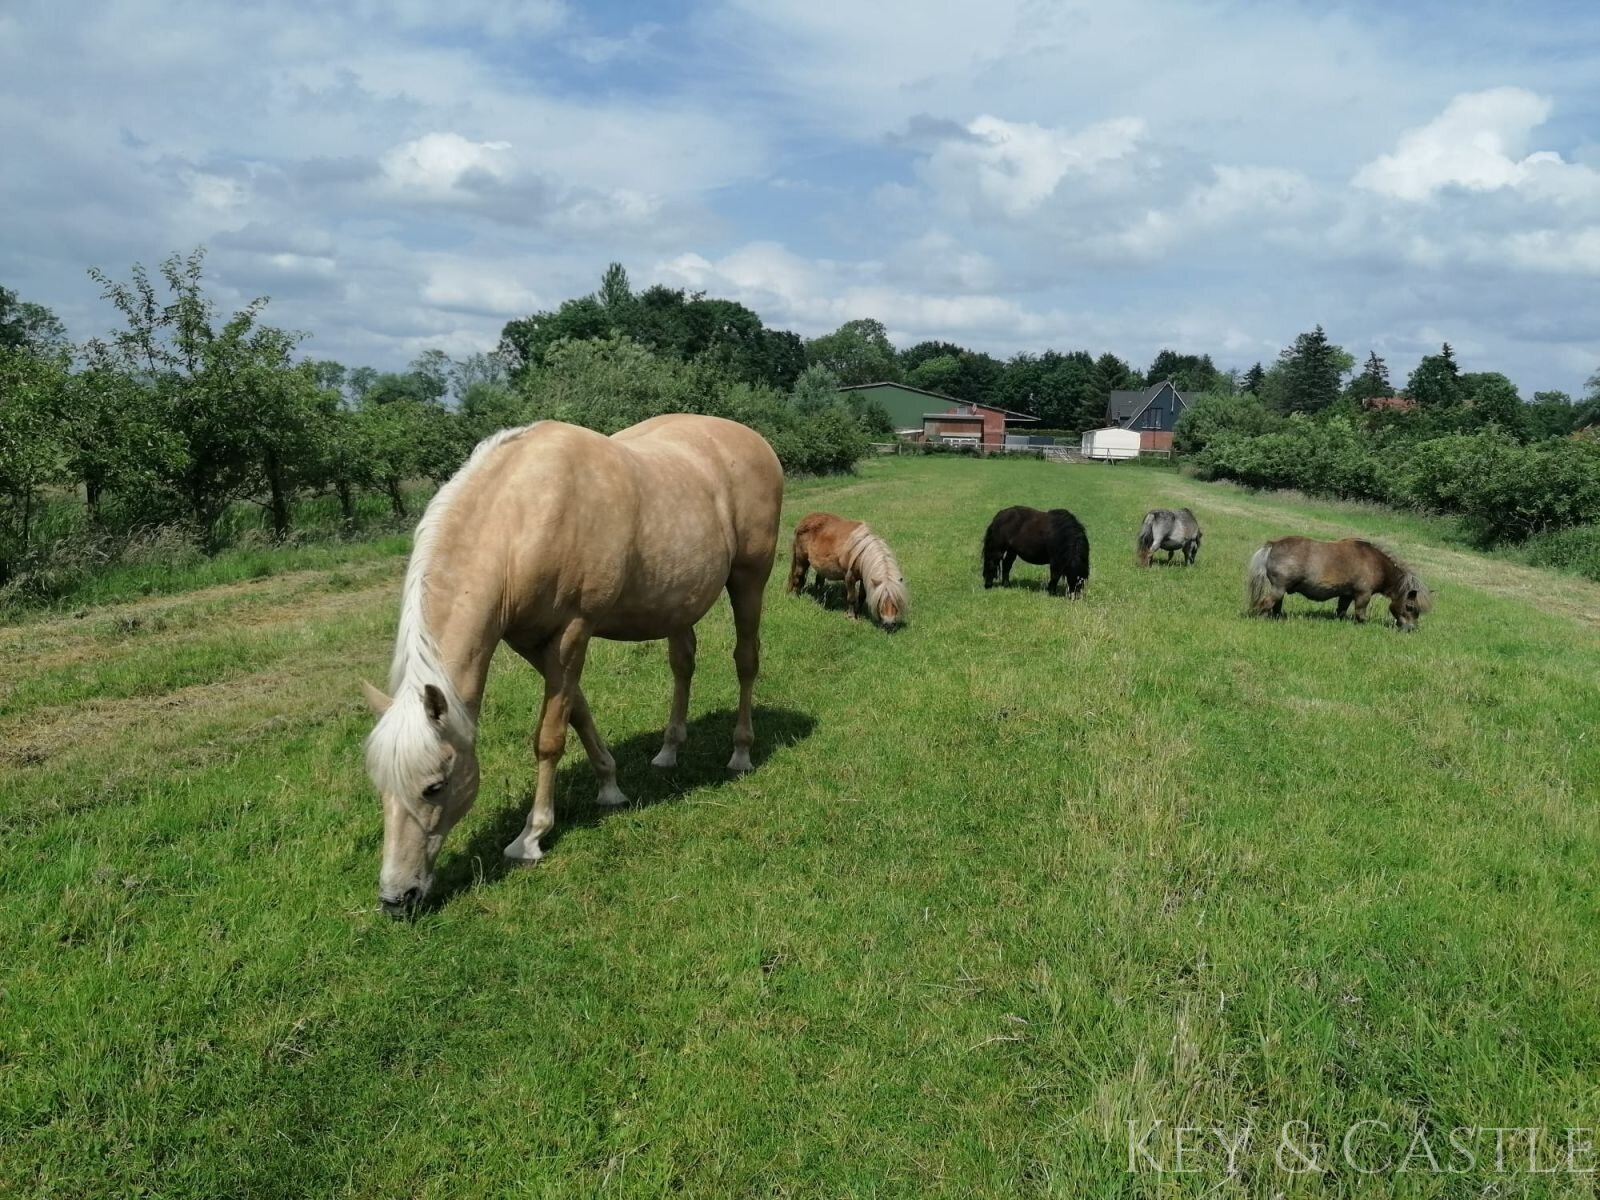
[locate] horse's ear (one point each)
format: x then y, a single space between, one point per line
433 702
376 700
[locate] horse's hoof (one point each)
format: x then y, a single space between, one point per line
611 797
668 757
518 854
740 763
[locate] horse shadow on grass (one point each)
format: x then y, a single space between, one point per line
702 763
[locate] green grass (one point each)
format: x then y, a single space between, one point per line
1001 883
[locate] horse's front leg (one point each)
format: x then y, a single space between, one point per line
680 655
1344 607
560 661
852 594
1361 601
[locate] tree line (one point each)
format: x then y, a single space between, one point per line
186 417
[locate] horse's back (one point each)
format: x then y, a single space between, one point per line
1321 570
701 462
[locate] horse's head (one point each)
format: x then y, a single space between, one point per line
422 758
1408 601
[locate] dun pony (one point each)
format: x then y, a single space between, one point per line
1055 538
1351 570
549 536
839 549
1170 530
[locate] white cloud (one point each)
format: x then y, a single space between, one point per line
476 288
435 164
1015 167
1477 143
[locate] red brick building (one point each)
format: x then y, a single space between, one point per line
982 424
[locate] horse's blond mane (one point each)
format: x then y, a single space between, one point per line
403 747
875 564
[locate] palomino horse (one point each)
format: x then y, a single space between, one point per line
548 536
851 551
1055 537
1170 530
1351 569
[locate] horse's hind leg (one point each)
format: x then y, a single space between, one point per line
560 661
744 593
680 654
1005 567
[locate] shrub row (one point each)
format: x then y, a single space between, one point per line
1504 490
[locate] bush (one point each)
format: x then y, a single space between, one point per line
1575 549
1210 416
609 385
1504 490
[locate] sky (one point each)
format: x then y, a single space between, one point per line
1208 176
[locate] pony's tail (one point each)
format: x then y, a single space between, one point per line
1147 539
1257 584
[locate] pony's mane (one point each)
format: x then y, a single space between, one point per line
404 745
876 565
1409 579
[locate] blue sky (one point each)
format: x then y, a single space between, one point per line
1012 175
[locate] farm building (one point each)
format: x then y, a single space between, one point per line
1110 444
977 424
904 404
1153 412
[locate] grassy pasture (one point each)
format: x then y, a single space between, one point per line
1001 884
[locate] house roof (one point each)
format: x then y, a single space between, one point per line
1124 407
855 387
1009 415
906 387
953 416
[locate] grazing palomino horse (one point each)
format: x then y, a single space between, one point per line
851 551
1056 538
1352 569
1170 530
548 536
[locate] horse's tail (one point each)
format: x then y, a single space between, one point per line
1257 582
1147 539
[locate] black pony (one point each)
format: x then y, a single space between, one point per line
1055 537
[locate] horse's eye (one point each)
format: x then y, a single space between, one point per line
433 789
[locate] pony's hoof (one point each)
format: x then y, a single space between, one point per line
523 852
611 797
667 758
740 763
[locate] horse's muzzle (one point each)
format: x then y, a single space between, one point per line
402 906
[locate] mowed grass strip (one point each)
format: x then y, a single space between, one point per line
1002 883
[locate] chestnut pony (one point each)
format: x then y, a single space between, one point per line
1352 570
548 536
851 551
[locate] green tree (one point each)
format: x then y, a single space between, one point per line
856 352
226 390
31 453
1493 400
942 374
1436 382
1549 414
1188 372
1373 382
1253 380
1311 371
